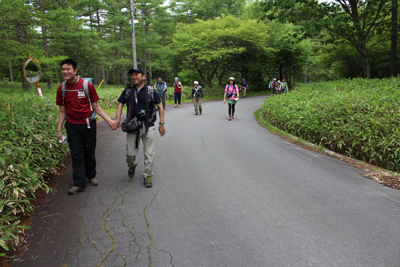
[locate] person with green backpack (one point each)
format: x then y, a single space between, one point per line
161 87
284 86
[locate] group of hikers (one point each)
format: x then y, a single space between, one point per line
278 87
78 102
231 94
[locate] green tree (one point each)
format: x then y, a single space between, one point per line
209 46
355 21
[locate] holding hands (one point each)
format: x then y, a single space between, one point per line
115 124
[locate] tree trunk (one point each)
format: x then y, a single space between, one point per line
18 27
118 70
393 49
25 85
103 74
220 77
150 69
305 73
97 73
10 69
9 64
121 38
149 60
365 63
58 80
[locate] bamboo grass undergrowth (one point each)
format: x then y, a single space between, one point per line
358 118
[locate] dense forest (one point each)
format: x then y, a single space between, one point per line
297 40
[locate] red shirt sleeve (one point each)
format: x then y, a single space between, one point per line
59 99
94 97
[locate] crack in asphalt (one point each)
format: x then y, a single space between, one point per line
166 252
106 216
149 247
78 240
126 227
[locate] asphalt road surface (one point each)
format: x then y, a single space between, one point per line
225 194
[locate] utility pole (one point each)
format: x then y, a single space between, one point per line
133 37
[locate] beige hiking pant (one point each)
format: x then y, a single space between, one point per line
148 148
197 104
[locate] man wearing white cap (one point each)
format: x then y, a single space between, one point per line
197 98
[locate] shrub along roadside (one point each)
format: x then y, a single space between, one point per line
358 118
29 151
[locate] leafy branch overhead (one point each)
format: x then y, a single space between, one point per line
358 22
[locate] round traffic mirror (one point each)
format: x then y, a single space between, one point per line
32 70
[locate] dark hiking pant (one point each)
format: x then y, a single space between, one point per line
82 144
231 109
177 97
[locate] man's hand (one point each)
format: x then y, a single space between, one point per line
59 135
161 129
115 125
112 125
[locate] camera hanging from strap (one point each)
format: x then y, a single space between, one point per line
132 124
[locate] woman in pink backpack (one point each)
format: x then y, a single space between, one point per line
232 93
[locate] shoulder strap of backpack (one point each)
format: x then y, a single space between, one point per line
151 93
64 85
146 96
127 95
86 88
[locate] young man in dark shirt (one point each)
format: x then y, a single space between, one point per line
76 107
137 99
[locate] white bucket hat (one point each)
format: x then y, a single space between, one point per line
231 78
196 82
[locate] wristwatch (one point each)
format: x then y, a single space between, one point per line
162 123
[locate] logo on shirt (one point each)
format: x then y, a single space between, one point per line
81 94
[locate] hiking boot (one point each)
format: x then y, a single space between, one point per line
175 106
93 182
233 117
201 111
196 113
148 183
230 118
131 171
179 106
75 190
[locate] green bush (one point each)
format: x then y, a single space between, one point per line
29 151
358 118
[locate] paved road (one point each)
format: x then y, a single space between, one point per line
225 194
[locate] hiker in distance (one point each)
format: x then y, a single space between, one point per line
161 88
177 92
245 87
197 98
77 100
232 94
139 124
270 86
284 86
